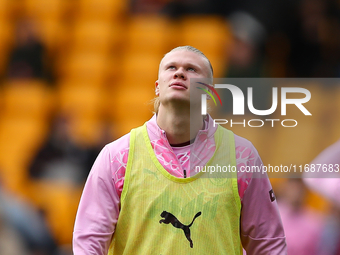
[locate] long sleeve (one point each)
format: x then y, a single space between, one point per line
261 227
98 209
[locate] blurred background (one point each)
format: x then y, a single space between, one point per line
77 74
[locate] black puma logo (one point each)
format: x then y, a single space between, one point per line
170 218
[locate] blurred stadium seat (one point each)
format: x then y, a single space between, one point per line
95 37
105 10
8 9
42 9
86 130
27 99
80 101
138 69
19 139
59 202
53 34
129 106
84 67
151 34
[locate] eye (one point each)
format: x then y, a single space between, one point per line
171 67
191 69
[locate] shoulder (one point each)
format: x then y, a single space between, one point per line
241 141
118 146
109 167
245 150
112 156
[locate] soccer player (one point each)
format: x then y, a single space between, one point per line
143 196
329 163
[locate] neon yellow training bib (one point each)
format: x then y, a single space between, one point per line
163 214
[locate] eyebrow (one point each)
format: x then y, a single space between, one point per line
187 64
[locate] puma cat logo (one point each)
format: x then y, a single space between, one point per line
170 218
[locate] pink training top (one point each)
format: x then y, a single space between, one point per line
98 211
328 187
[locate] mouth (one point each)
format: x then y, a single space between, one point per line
178 85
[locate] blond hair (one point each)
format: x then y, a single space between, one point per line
156 102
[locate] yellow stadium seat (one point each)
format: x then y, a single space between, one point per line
68 83
150 34
139 68
53 34
122 127
19 139
14 179
318 202
20 136
80 101
219 64
27 98
86 67
97 36
131 104
87 130
114 70
7 8
42 9
6 33
59 201
108 10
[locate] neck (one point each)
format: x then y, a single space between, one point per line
180 125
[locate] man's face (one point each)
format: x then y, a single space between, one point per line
175 72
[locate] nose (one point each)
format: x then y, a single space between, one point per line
180 74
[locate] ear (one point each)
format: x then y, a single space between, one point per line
156 88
